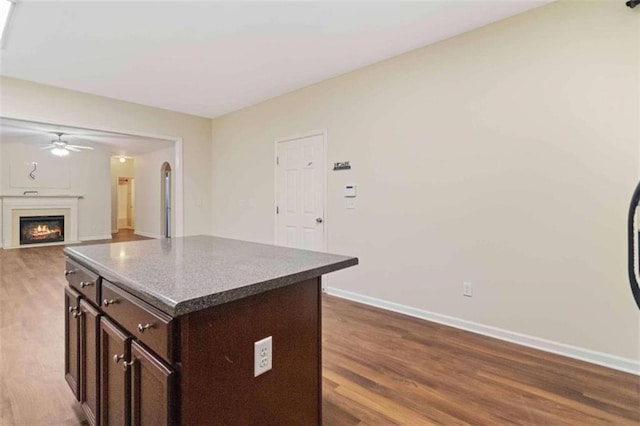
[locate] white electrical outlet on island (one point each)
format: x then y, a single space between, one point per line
262 354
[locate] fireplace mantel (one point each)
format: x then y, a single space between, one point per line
32 205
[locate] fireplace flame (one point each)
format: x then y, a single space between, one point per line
42 231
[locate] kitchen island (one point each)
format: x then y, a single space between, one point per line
176 331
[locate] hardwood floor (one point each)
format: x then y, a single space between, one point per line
32 386
123 235
385 368
379 367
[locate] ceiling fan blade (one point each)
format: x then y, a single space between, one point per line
48 147
72 148
80 147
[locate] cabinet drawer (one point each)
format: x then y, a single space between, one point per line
144 322
83 280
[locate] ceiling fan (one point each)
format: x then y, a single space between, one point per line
60 147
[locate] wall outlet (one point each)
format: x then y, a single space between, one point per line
262 354
467 289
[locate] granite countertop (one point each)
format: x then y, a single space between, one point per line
187 274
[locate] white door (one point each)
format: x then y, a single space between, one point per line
300 193
125 202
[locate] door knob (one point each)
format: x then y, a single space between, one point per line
319 219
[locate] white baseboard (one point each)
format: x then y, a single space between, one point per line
96 237
594 357
148 234
26 246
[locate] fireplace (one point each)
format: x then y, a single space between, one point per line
41 229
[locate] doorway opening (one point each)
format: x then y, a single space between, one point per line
126 203
165 202
118 143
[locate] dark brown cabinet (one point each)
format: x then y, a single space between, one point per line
87 283
151 388
148 325
117 380
129 363
114 389
136 385
71 340
89 372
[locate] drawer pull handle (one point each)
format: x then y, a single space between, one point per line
107 302
126 365
143 327
86 284
72 309
77 314
68 272
117 358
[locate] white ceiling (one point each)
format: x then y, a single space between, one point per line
209 58
41 134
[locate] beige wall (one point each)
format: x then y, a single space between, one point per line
83 173
27 100
505 157
149 193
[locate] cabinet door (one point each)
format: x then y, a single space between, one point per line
151 388
114 379
71 338
89 372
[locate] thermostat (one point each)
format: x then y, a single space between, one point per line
350 191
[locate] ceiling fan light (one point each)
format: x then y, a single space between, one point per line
60 152
122 159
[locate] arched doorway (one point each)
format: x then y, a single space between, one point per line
165 203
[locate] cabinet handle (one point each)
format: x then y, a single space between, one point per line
117 358
86 284
107 302
68 272
72 309
126 364
143 327
77 314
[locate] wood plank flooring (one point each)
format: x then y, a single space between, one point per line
380 368
384 368
32 386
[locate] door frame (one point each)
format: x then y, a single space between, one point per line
165 219
323 133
